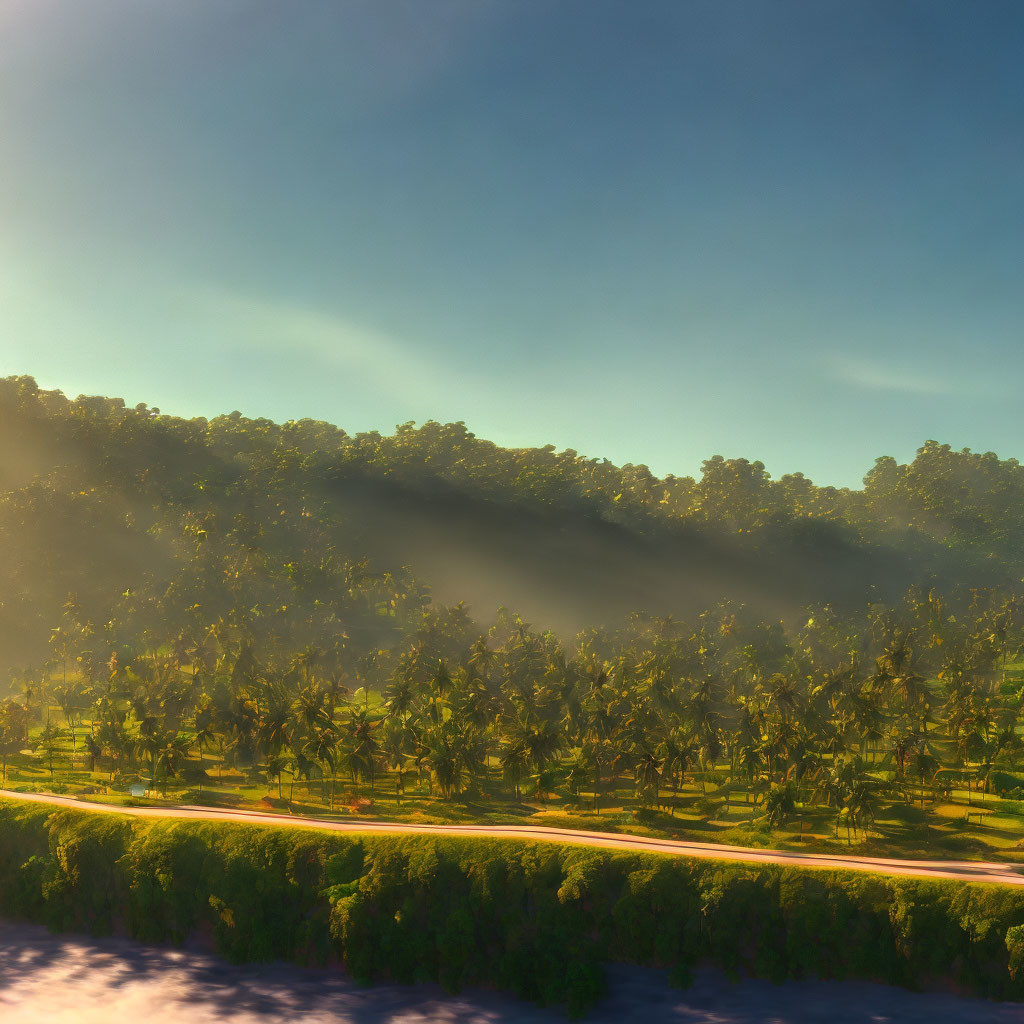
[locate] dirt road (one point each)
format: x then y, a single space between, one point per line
967 871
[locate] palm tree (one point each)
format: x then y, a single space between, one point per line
171 756
441 681
204 722
852 790
276 721
307 661
780 804
577 772
783 694
93 750
647 773
61 643
751 768
400 697
481 658
896 667
924 764
599 756
396 746
515 765
300 767
709 751
445 769
276 766
542 740
149 744
360 747
48 742
13 730
863 800
321 748
113 738
30 692
310 710
678 756
67 696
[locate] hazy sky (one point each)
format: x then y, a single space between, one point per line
649 231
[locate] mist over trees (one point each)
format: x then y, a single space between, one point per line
153 525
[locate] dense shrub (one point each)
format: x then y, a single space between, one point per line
537 919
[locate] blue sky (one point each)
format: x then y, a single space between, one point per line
653 232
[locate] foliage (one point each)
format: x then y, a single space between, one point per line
299 533
538 919
181 593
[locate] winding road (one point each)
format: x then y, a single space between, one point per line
965 871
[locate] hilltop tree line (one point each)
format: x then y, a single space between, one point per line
296 532
961 498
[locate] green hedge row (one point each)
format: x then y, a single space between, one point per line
537 919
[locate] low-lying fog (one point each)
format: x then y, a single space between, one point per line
47 979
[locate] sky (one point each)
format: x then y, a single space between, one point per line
652 232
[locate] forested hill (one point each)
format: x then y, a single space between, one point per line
153 525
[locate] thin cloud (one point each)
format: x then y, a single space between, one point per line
379 360
878 376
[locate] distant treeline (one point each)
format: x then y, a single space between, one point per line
155 525
537 919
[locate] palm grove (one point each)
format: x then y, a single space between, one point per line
179 594
897 704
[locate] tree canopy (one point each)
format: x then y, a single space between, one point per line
152 524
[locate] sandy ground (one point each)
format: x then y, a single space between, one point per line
966 871
60 979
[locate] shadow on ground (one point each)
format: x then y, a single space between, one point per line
73 980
